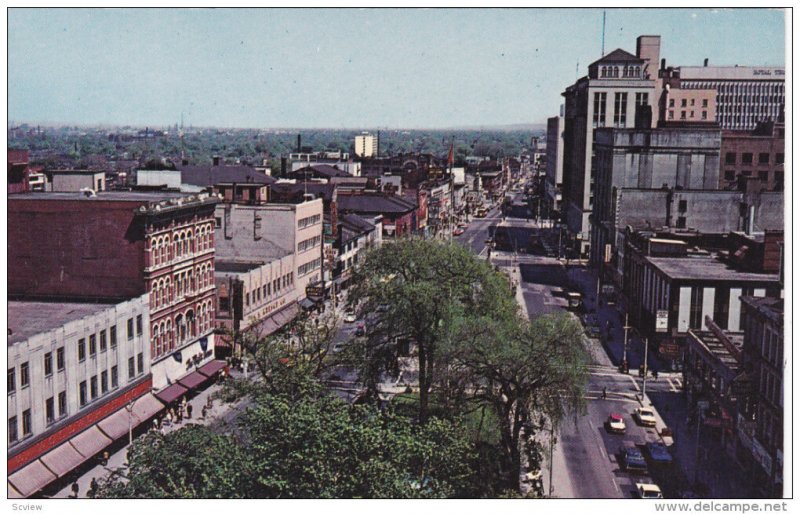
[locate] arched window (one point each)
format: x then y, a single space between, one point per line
616 71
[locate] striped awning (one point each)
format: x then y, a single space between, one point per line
63 459
90 442
117 424
31 478
192 380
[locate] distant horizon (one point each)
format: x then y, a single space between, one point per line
410 68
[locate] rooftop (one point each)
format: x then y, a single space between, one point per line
705 268
771 308
213 175
712 345
374 203
26 319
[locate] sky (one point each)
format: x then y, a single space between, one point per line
342 68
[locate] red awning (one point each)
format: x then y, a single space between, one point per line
146 407
63 459
192 380
171 393
90 442
31 478
211 368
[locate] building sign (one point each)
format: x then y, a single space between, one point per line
607 257
669 350
316 290
662 321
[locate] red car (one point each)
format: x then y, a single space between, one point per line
458 231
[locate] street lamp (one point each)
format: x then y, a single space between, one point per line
552 441
129 408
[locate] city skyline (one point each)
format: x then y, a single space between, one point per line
342 68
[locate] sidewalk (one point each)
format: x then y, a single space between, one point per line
118 460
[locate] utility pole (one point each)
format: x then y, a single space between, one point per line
644 377
625 344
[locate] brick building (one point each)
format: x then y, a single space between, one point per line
116 245
758 154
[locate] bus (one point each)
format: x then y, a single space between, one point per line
481 212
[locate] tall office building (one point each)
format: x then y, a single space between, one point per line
617 86
366 145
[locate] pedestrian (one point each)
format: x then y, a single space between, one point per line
604 393
105 458
189 411
92 488
173 415
180 414
75 489
203 412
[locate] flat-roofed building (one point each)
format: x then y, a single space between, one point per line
72 369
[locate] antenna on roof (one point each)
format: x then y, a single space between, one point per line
577 64
603 39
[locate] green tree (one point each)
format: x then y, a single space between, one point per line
426 286
524 372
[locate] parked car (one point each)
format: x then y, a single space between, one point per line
645 417
458 231
616 424
659 453
633 460
649 491
338 347
361 329
350 317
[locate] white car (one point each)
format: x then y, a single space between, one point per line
645 416
649 491
350 317
616 424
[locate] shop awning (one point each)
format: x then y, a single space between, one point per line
306 303
171 393
90 442
31 478
192 380
211 368
13 494
116 425
62 459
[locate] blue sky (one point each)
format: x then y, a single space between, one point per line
353 68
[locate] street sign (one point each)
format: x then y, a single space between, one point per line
662 321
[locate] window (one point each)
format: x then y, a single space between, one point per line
683 115
247 299
641 99
139 325
599 113
12 381
778 158
103 341
48 364
114 377
705 102
730 175
12 429
81 350
140 363
112 335
747 158
778 181
683 102
217 222
130 329
682 205
620 109
763 175
730 158
672 102
92 345
26 422
60 359
691 102
691 114
24 375
93 386
104 382
50 410
704 115
681 222
671 115
131 369
62 404
82 393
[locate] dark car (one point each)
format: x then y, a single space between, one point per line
361 329
633 460
659 453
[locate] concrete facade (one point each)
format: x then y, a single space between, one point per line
609 96
758 154
647 159
366 145
554 175
262 233
76 180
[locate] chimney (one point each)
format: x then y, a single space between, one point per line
283 166
215 160
663 64
648 48
705 62
299 140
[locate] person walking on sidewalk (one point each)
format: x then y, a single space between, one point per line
605 393
189 411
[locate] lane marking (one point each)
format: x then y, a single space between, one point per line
614 482
672 386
